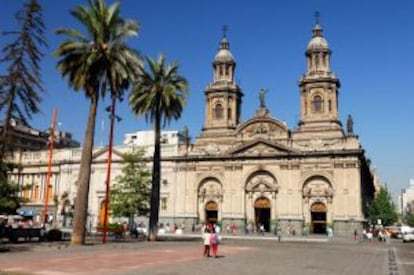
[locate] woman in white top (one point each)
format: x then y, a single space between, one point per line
206 240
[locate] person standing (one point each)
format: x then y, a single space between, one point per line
279 232
214 241
207 240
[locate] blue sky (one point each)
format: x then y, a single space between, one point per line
372 43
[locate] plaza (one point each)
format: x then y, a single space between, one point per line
237 255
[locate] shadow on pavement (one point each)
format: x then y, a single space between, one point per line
14 248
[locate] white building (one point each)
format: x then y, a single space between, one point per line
65 170
407 200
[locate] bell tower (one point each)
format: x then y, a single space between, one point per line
319 89
223 95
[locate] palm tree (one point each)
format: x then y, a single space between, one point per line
21 86
93 61
160 95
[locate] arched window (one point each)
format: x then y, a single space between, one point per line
218 111
317 104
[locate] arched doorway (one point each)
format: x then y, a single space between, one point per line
211 212
262 213
318 218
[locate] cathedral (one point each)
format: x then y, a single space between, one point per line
260 172
249 173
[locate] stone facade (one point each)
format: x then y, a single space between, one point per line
260 171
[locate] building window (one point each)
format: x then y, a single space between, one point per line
229 113
36 193
26 193
164 203
50 194
317 104
218 111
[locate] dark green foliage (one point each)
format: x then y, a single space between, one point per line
21 85
130 193
383 208
409 220
10 199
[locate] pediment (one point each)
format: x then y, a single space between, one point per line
260 147
263 127
102 155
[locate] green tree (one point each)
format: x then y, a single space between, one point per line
91 62
21 85
409 220
131 192
10 199
383 208
160 95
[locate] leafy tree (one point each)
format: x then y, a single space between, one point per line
409 220
10 199
383 208
21 86
131 193
159 95
93 61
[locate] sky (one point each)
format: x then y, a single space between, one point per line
372 42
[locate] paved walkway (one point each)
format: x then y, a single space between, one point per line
182 254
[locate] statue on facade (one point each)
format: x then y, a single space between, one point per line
262 94
350 125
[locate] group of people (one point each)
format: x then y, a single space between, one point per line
383 235
211 239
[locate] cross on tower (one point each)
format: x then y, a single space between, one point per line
317 15
225 29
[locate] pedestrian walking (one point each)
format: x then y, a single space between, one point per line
262 229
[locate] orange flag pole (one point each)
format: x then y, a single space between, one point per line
49 167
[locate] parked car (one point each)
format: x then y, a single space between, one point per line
408 237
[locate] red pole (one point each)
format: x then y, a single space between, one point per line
108 170
49 167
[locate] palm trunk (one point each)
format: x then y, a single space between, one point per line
155 190
4 139
81 206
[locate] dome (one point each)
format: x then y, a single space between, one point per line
317 42
224 54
